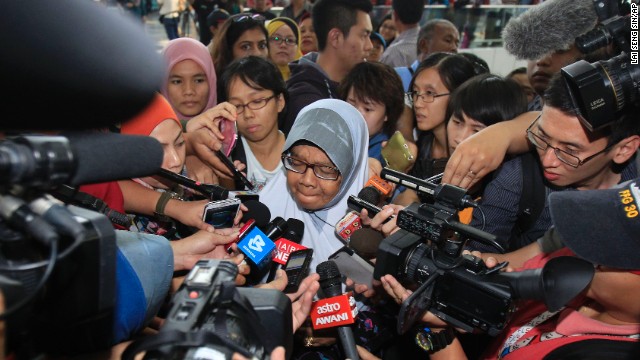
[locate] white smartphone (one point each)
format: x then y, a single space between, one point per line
221 213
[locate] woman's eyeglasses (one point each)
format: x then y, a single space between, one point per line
247 17
279 40
321 171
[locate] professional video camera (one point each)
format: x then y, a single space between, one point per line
209 315
57 264
604 88
459 288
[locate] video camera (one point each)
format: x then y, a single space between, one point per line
209 315
460 289
603 88
57 264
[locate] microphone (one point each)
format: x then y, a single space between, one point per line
211 191
548 27
106 82
257 214
286 244
276 228
365 242
18 214
347 225
331 285
106 157
376 185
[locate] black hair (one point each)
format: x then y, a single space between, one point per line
257 73
624 123
488 98
479 65
229 33
341 14
408 11
454 69
366 79
516 71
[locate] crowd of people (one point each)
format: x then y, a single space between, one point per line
315 93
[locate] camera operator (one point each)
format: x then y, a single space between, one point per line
604 319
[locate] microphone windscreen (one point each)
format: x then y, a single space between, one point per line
105 157
370 194
295 230
365 242
330 278
550 26
78 62
257 211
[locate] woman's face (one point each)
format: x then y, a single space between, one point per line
374 113
388 30
308 37
251 42
169 134
308 190
255 125
188 88
430 115
460 129
282 53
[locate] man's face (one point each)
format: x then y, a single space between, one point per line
566 133
355 48
540 71
445 38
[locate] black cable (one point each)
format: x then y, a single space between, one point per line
36 290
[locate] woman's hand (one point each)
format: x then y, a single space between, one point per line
202 244
199 171
378 221
210 119
203 144
189 213
399 293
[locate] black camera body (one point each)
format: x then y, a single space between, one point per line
224 319
462 291
427 254
74 312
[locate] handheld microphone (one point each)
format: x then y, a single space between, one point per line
257 215
381 187
347 225
550 26
211 191
357 204
288 243
331 285
365 242
276 228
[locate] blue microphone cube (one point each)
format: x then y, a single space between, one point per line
258 248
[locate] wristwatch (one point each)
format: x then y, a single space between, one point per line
432 342
161 204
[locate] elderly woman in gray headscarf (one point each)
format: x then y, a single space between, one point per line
325 160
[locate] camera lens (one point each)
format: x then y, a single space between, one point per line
601 89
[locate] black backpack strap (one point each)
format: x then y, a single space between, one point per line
410 70
533 194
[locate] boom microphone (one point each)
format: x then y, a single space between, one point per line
87 85
548 27
331 284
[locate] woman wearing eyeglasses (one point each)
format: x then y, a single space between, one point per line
284 44
434 80
256 89
325 161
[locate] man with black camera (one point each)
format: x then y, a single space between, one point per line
604 320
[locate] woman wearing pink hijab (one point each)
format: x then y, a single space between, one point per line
190 88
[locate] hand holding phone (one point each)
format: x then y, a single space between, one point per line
229 130
221 214
297 268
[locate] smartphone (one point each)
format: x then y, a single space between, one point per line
353 266
297 268
396 153
229 130
236 173
220 214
